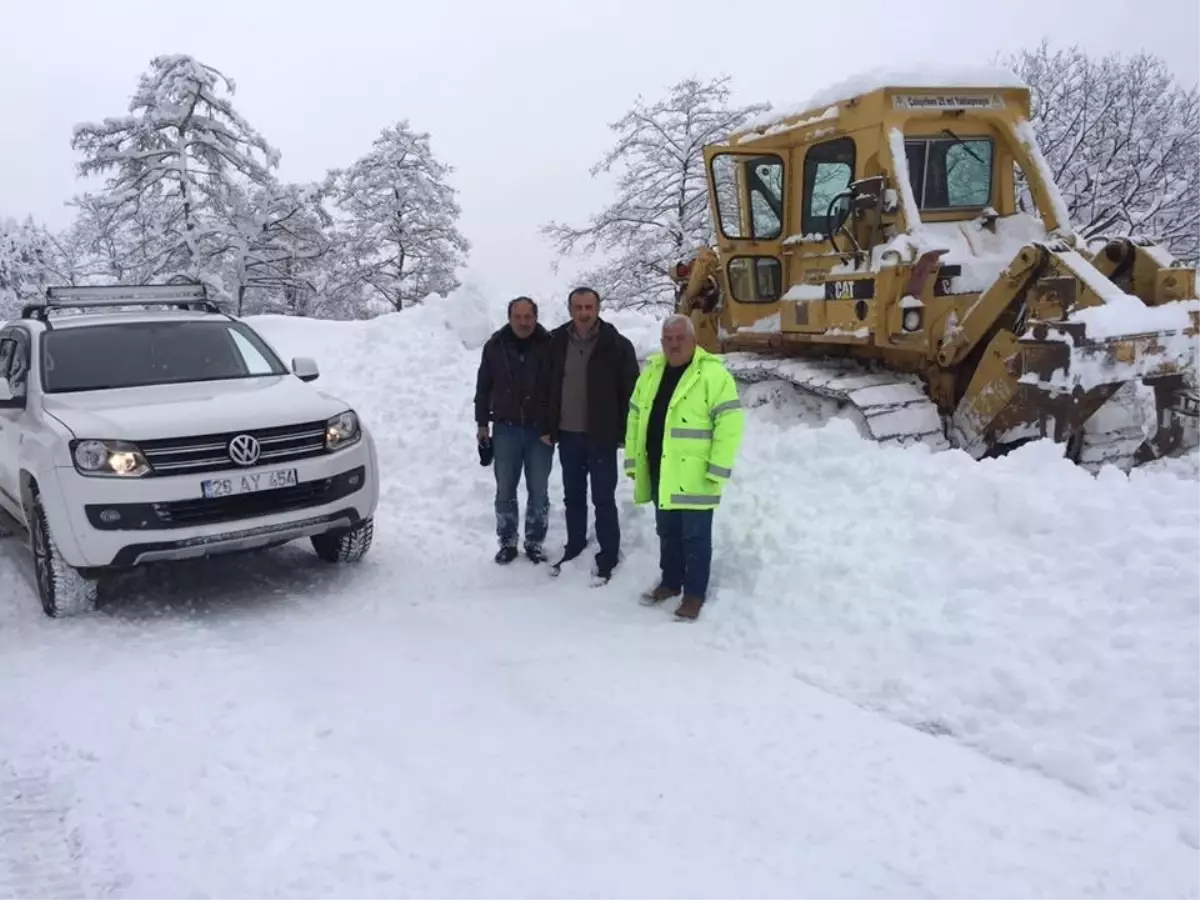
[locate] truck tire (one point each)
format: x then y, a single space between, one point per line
62 590
345 546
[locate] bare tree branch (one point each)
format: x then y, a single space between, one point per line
660 212
1123 140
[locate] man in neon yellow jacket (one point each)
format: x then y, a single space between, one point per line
681 438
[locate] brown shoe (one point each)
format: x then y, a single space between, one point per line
689 609
658 595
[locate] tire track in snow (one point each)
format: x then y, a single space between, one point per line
17 585
45 850
39 852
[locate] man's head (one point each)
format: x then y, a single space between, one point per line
678 340
522 316
584 304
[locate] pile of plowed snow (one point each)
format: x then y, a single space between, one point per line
1035 612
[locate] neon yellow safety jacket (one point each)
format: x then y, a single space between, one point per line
701 435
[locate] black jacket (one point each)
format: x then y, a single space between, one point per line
611 375
506 386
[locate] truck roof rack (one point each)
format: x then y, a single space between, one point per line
181 296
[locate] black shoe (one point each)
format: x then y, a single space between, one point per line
568 554
603 567
535 554
506 555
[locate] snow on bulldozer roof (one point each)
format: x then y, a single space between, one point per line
823 105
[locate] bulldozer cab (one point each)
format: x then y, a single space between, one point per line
806 203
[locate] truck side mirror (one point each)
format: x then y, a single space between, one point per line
305 368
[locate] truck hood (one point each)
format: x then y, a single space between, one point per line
196 408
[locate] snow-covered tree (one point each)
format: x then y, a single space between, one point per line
25 253
107 244
400 243
1122 138
66 258
660 214
280 237
180 155
338 289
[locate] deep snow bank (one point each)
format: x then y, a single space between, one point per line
1022 606
1042 615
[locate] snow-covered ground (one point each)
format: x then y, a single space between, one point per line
918 676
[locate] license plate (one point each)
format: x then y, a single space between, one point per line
249 484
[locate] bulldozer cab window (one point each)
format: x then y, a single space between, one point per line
749 192
828 170
948 173
755 279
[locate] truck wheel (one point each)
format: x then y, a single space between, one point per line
345 546
62 590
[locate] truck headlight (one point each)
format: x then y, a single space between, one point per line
342 431
109 458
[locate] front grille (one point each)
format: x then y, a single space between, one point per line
207 511
210 452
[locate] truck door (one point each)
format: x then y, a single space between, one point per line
14 371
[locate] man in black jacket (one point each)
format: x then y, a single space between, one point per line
592 371
507 390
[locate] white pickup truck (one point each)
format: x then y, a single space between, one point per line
132 434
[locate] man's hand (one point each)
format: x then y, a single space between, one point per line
481 433
546 440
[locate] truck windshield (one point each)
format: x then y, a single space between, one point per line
135 354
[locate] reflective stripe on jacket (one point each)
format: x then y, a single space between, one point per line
701 435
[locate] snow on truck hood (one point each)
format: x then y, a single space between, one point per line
194 408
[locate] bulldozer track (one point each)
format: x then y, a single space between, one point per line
894 407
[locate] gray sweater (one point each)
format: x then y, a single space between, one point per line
574 387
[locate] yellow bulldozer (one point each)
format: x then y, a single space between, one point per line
899 247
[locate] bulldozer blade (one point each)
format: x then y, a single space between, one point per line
1060 356
1056 381
1002 408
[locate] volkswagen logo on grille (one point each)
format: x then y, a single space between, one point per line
244 450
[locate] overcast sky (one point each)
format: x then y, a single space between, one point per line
517 96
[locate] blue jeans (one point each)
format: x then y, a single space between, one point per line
583 459
518 448
684 548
